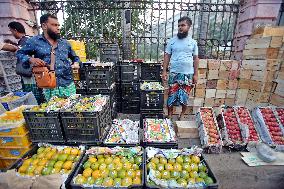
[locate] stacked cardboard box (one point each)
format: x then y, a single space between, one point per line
79 48
260 71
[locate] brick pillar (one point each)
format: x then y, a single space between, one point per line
16 10
253 14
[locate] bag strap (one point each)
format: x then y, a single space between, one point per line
52 58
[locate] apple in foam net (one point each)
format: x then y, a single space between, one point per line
280 112
231 122
210 125
245 118
272 125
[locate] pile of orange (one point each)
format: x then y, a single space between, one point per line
50 160
111 170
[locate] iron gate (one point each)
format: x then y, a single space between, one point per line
150 24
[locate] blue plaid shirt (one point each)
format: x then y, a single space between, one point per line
41 48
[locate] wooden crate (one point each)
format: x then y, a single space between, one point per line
276 42
244 84
234 74
211 84
210 93
199 92
268 31
260 54
277 100
245 74
224 74
209 102
202 63
254 65
230 101
231 94
226 65
222 84
213 64
219 102
254 43
221 93
213 74
202 73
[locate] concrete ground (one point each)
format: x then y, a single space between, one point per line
230 170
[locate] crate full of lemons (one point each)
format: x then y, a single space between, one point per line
110 167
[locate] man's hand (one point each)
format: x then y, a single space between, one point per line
75 66
37 62
195 78
165 76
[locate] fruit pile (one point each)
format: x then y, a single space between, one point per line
51 160
246 119
151 86
272 125
123 132
9 98
159 130
232 126
55 104
90 104
12 116
280 113
182 170
210 126
118 167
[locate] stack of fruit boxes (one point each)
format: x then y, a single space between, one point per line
14 137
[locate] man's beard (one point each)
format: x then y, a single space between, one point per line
182 35
53 35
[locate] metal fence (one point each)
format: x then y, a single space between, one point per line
146 25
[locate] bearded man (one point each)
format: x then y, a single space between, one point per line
182 55
41 47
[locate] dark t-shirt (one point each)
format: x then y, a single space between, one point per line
22 41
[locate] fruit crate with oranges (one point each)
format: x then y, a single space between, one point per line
232 132
46 159
209 133
116 167
178 168
159 133
270 127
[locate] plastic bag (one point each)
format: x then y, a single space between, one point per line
265 153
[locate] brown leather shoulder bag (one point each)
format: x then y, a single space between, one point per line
46 78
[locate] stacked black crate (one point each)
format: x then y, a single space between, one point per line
152 100
130 87
100 79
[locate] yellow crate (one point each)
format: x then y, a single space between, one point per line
6 163
19 130
15 140
13 151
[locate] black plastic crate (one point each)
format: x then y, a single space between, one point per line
44 126
130 90
151 72
86 127
99 77
150 114
33 151
80 169
202 159
130 71
130 105
152 100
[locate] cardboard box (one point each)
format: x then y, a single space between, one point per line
187 129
